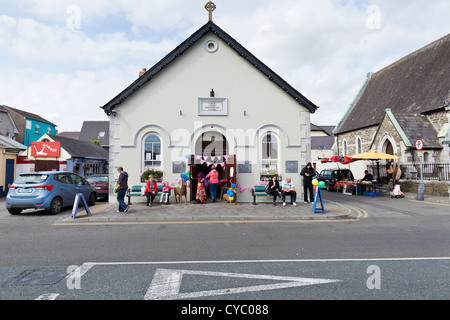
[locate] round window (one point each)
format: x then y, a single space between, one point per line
211 46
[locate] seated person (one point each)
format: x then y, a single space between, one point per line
368 177
288 188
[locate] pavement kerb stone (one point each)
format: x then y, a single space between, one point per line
106 213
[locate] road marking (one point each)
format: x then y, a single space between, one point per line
48 296
166 284
266 261
361 213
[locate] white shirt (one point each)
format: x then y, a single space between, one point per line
287 186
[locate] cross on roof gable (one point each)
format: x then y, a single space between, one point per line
177 52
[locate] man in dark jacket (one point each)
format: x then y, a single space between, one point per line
123 187
308 175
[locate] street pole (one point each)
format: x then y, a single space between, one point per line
421 189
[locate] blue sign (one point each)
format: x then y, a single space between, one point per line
317 195
76 204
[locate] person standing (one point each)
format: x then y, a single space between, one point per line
288 190
213 182
151 190
308 175
272 189
122 187
201 193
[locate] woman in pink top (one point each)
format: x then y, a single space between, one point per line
213 182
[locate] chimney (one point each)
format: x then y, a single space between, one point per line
142 72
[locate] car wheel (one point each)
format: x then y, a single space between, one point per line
92 199
56 206
15 212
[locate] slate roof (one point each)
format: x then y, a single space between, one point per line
416 84
183 47
419 127
29 115
91 131
318 142
81 149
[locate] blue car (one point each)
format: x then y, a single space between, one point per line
50 191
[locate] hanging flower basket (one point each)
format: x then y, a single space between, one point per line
157 174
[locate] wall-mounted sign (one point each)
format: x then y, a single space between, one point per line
45 149
212 107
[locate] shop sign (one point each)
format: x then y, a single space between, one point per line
45 149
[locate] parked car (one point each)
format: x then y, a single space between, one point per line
100 183
331 176
51 191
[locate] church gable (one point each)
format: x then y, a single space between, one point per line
177 53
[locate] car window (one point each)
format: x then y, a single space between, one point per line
76 179
63 178
97 179
31 179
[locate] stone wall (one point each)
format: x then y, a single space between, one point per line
366 136
432 188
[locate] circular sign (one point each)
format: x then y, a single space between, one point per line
419 144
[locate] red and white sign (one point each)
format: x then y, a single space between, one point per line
419 144
45 149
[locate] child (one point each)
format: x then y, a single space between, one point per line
165 192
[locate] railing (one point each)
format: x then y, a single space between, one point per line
411 171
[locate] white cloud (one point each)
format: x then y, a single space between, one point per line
324 48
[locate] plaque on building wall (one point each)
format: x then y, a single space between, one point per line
178 167
291 166
245 167
212 107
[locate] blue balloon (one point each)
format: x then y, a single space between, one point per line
230 193
233 186
186 156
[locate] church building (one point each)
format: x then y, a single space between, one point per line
210 102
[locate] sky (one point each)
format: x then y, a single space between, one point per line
63 59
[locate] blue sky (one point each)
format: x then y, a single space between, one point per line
323 48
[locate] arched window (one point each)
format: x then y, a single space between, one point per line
36 129
152 152
358 145
344 148
269 151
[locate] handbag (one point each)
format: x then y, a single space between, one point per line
206 183
117 187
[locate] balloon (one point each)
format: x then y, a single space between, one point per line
183 175
315 182
231 198
233 185
321 184
314 187
230 193
186 156
188 173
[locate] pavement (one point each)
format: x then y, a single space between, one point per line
221 212
218 211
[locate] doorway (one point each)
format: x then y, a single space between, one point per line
211 149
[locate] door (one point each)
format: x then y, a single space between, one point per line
193 169
46 165
9 174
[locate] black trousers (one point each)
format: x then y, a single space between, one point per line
308 186
150 197
293 195
274 193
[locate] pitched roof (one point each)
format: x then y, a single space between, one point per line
183 47
29 115
322 142
91 131
416 84
419 127
80 149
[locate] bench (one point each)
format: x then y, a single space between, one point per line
260 191
135 191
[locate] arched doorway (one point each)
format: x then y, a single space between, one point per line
211 144
211 148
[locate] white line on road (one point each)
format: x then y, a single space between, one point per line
48 296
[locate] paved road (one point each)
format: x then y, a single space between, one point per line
118 256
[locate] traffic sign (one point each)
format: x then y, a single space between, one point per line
419 144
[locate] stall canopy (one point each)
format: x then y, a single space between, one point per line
373 155
339 159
